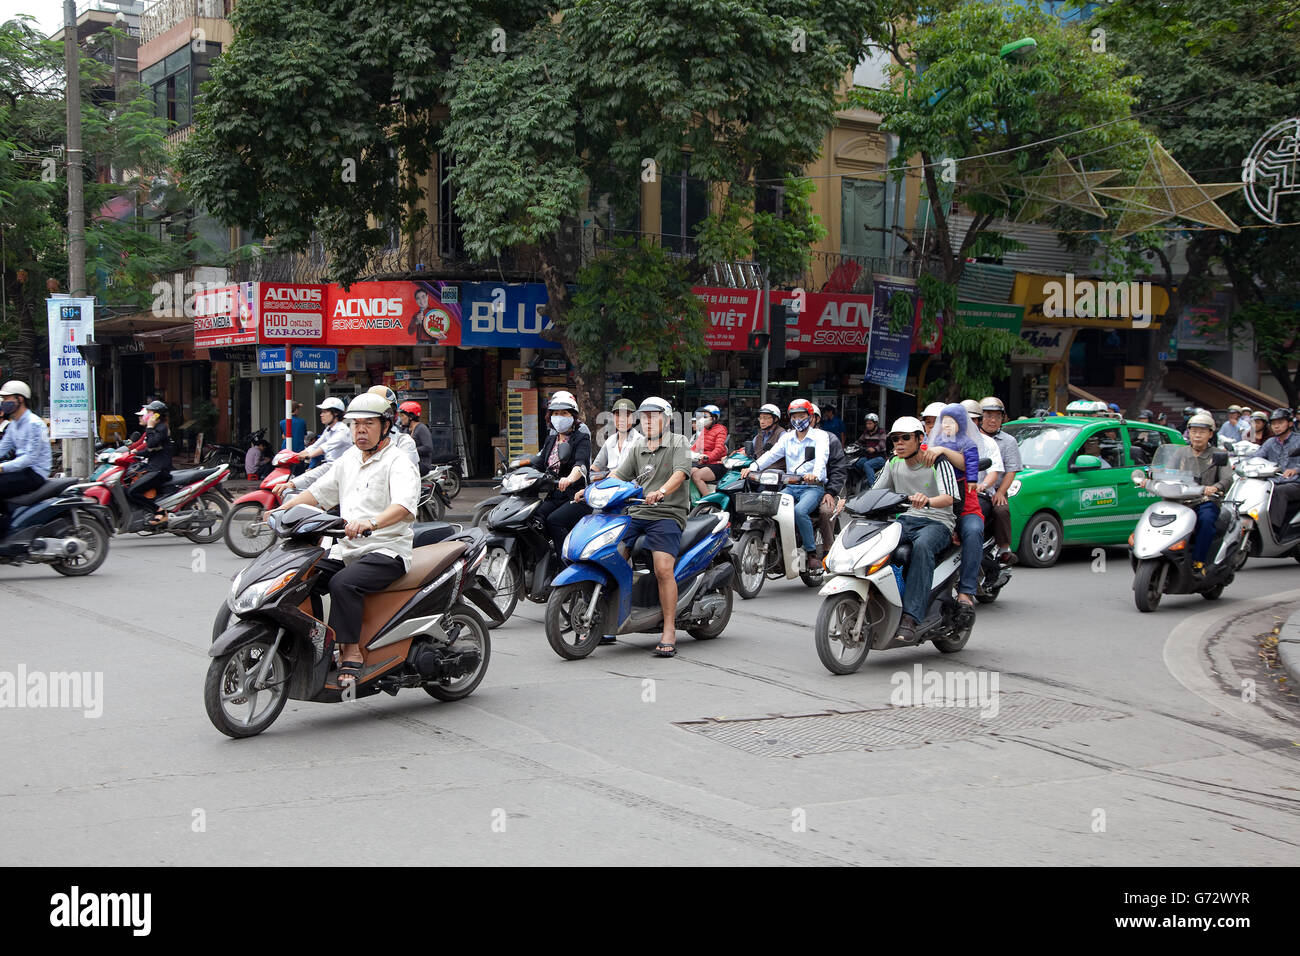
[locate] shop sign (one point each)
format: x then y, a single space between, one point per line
225 315
992 315
1051 339
292 312
391 313
733 314
270 360
504 315
1204 326
828 322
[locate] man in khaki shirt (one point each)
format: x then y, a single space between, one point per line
377 489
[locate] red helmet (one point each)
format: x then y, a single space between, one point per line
411 408
801 405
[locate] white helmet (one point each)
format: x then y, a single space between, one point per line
562 401
333 404
15 387
655 404
907 425
770 409
817 410
972 407
369 405
1202 420
931 411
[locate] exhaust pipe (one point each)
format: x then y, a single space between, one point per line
54 549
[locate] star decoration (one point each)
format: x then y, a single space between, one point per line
1165 191
1059 183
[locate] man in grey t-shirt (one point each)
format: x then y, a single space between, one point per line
930 520
998 485
662 518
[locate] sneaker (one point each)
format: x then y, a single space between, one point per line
814 563
907 628
1008 557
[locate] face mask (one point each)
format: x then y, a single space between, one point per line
561 423
801 425
8 407
949 428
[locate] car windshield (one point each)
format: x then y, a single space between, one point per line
1042 443
1174 463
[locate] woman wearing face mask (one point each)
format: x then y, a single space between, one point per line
566 431
711 443
158 450
956 438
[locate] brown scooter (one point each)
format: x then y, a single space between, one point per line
424 630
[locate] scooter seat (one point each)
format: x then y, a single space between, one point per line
427 563
697 529
431 532
51 488
903 553
189 476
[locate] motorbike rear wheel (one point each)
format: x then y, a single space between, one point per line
750 565
708 632
209 501
1148 585
1214 593
246 534
507 596
452 482
837 616
233 705
472 631
94 537
566 603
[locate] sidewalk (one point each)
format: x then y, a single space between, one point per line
1288 649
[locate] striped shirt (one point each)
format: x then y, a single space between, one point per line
932 482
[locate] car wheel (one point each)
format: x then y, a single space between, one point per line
1041 541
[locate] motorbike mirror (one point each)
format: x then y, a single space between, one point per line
984 463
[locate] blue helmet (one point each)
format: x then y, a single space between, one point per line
713 410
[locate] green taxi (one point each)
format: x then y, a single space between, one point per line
1076 485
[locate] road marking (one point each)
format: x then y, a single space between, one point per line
1185 648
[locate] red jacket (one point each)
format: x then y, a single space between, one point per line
713 442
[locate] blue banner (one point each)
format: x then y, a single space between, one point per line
503 315
270 361
889 352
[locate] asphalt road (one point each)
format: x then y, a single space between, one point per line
1118 738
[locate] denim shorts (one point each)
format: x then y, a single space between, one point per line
661 534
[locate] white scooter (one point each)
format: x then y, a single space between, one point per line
1252 493
1161 546
768 546
863 593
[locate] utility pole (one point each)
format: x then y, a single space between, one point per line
73 461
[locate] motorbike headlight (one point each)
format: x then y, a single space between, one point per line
516 483
770 479
252 597
735 461
602 540
1015 486
599 498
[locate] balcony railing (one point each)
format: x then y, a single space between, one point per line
160 17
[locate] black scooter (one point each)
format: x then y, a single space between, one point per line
67 531
424 630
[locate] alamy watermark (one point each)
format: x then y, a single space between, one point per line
918 688
68 690
1093 298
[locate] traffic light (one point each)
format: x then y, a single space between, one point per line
777 315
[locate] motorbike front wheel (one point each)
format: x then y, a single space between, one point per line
246 534
1148 585
567 632
836 648
234 705
506 595
750 565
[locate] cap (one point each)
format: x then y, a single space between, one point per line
369 405
15 387
159 407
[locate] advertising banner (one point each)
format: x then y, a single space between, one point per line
391 313
504 315
71 323
992 315
226 315
733 314
1204 326
890 351
829 322
291 312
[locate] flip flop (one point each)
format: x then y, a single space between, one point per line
349 669
665 650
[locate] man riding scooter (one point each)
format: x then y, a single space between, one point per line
872 445
377 489
1283 450
928 523
1216 476
27 441
665 456
335 438
805 451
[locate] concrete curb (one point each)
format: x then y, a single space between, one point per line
1288 648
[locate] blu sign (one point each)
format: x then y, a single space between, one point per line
71 323
270 361
503 315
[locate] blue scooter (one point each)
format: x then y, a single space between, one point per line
604 592
58 526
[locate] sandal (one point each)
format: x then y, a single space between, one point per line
665 650
157 521
350 670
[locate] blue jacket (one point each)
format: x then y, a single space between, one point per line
29 442
1284 454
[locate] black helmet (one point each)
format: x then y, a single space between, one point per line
1146 413
1280 414
159 407
1189 411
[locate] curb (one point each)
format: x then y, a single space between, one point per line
1288 648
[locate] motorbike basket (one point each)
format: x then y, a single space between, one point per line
763 504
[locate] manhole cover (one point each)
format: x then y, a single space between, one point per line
834 731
